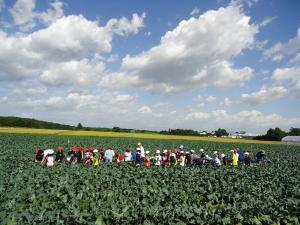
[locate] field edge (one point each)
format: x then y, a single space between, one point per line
21 130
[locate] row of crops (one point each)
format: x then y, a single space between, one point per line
125 194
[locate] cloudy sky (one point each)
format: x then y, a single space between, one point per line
152 64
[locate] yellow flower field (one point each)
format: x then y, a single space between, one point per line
21 130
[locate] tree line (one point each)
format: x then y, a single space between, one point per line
277 134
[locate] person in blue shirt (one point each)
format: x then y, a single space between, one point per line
133 156
241 155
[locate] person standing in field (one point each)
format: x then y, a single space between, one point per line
165 158
87 156
142 151
173 160
147 159
127 155
224 159
138 156
182 158
101 153
193 156
177 152
48 157
247 159
261 157
79 154
157 158
120 158
216 161
235 157
59 154
109 154
96 158
133 157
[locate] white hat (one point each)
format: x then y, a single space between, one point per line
157 151
138 149
246 153
95 150
192 151
181 146
147 152
232 151
181 152
165 151
187 152
173 154
215 152
222 155
201 150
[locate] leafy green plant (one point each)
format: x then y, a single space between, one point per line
126 194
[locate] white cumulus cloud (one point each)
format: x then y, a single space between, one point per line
279 50
68 51
263 95
290 76
197 53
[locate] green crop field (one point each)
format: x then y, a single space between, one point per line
126 194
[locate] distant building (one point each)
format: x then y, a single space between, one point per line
291 140
242 135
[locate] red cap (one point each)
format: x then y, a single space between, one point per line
84 150
80 148
59 148
74 148
92 148
128 149
100 148
110 147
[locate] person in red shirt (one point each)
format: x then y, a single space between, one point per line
121 158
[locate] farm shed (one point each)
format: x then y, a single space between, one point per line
292 140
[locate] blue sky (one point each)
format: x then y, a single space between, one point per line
152 64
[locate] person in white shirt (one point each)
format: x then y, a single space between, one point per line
182 158
109 155
127 155
157 158
48 157
142 152
216 161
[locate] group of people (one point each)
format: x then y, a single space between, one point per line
178 157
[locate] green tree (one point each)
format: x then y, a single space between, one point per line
116 129
221 132
275 134
79 126
294 131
